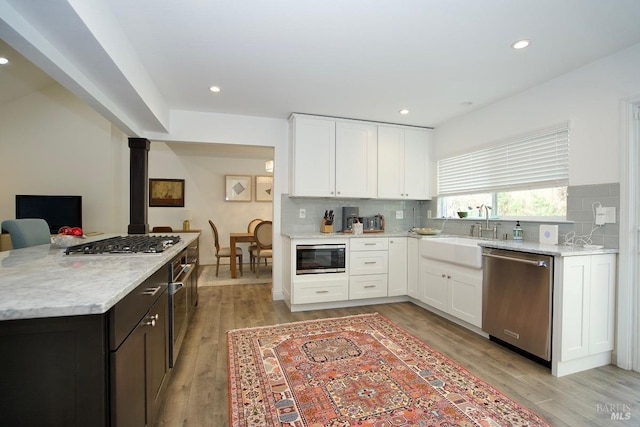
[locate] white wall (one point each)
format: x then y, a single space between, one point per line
204 171
589 97
52 143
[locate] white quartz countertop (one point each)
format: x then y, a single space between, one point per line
319 235
538 248
41 281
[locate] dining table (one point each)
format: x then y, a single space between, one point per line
238 238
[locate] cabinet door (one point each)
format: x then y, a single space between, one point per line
413 267
390 162
128 402
433 281
417 160
465 296
156 354
356 160
575 307
602 296
397 266
313 157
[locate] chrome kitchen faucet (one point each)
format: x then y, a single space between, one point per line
481 229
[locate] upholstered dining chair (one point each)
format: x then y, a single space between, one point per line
263 237
27 232
223 252
162 229
250 228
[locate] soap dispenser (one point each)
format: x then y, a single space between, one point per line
517 231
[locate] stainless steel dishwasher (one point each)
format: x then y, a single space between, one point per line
517 291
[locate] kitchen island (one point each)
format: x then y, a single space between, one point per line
85 338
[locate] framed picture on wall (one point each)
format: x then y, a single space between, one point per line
237 188
264 188
166 193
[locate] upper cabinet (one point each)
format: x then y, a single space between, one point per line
333 158
404 156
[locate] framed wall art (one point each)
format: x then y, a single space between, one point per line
237 188
264 188
166 193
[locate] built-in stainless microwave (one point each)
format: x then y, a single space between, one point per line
320 259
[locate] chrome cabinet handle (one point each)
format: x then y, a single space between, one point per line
322 292
151 291
369 286
370 262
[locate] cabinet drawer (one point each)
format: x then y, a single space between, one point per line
320 291
369 244
374 262
370 286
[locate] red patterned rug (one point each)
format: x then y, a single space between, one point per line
356 371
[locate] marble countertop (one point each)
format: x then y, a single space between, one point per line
41 281
538 248
319 235
512 245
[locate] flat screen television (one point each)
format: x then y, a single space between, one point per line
58 211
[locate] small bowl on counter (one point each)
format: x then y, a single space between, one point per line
427 231
462 214
65 241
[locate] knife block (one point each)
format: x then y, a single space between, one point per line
324 228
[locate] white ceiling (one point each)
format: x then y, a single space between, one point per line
135 61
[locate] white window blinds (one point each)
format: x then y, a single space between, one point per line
539 160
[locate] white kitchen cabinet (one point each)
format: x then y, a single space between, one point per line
368 267
313 152
588 306
452 289
398 263
413 267
333 158
404 156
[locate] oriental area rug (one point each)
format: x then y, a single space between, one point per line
356 371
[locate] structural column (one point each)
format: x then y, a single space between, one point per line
138 189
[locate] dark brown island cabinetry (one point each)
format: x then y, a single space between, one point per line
106 369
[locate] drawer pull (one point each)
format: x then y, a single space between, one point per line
369 286
151 291
322 292
370 244
371 262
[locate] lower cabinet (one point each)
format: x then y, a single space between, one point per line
452 289
139 367
588 306
368 267
413 267
398 263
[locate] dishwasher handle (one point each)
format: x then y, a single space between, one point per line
538 263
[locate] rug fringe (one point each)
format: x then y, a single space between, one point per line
305 321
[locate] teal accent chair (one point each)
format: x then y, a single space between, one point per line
27 232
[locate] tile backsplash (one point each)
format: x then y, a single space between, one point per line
581 203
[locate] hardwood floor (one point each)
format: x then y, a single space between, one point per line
197 391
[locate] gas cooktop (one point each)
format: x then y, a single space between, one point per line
125 245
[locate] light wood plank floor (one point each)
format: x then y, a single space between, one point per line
197 391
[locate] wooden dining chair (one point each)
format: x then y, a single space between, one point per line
223 252
250 228
263 237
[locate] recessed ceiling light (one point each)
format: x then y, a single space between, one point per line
404 111
521 44
3 60
214 89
